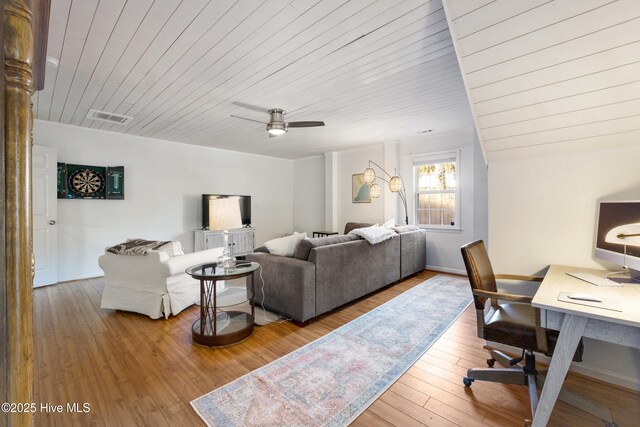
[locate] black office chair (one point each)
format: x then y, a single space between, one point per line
511 320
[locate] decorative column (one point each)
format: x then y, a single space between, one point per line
331 191
18 62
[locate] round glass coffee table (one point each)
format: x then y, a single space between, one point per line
216 326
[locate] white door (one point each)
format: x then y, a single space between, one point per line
45 211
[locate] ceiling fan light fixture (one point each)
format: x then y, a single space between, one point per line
277 126
276 129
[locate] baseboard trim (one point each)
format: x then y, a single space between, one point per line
582 369
82 277
446 270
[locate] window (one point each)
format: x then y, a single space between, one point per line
436 191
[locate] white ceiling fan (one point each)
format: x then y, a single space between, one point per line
277 125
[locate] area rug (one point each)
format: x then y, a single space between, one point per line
332 380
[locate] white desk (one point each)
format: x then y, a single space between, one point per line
575 321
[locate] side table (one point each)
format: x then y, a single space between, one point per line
222 327
324 233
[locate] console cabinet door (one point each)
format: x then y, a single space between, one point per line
214 240
241 241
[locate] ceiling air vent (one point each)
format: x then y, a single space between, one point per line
108 117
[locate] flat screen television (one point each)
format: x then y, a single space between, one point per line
245 208
618 235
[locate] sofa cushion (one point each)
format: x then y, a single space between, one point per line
374 234
353 225
285 246
405 228
305 246
262 249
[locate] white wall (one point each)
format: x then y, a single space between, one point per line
542 211
163 186
353 162
443 247
309 195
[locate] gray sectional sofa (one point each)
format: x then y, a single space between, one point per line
328 272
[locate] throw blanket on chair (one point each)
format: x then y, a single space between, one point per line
136 247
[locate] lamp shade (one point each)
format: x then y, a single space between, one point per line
395 183
374 190
224 213
369 175
628 234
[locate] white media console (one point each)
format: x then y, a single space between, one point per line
242 240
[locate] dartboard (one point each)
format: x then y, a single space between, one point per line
85 182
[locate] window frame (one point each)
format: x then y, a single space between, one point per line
452 156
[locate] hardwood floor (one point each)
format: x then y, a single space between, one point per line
132 370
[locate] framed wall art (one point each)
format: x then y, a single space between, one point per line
359 189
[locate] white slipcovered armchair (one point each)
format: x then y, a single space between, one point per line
154 284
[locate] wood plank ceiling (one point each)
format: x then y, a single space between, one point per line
372 70
549 76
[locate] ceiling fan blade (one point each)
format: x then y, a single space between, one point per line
251 120
250 106
304 124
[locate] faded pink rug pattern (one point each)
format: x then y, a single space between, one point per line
332 380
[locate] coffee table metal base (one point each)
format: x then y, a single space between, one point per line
215 326
206 335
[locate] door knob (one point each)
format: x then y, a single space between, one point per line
52 222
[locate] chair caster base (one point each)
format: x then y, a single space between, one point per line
467 381
491 362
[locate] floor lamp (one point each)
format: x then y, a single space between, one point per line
396 185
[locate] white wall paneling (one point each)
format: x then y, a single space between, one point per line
102 24
152 28
544 75
373 71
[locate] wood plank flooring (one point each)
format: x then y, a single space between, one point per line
134 371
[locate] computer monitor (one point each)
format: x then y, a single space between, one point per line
618 234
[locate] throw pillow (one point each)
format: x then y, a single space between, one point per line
374 234
390 224
285 246
405 228
136 247
353 225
